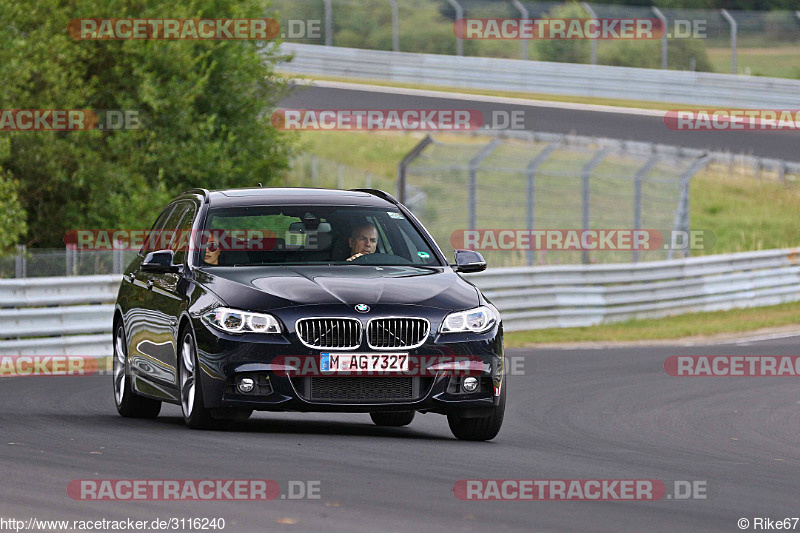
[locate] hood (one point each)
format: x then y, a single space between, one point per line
272 287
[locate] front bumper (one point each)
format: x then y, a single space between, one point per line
224 358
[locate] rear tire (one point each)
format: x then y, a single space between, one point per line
195 414
394 419
485 428
129 404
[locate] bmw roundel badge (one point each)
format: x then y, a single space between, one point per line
362 308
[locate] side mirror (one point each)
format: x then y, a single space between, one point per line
469 261
160 262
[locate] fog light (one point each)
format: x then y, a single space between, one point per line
470 384
245 385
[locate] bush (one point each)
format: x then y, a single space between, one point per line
564 51
647 54
203 108
12 216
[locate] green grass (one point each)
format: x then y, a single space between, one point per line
378 153
675 327
777 61
744 213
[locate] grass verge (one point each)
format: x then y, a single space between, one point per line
674 327
774 61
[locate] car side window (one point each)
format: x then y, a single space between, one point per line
180 242
154 235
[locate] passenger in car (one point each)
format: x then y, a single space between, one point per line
363 240
212 252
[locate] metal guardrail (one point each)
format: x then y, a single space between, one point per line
528 297
668 86
586 295
57 316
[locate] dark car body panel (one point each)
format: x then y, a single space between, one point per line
156 308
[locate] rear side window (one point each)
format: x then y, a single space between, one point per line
153 239
183 233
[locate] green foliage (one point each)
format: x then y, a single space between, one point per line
12 216
566 50
647 54
203 108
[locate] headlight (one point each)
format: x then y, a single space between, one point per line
476 320
235 321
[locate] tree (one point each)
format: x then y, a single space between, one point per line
564 50
203 108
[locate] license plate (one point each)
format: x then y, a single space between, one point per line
363 362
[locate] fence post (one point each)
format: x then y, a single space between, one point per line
637 198
328 22
68 260
395 26
402 167
523 44
459 16
734 32
682 214
593 15
586 173
663 20
368 180
314 170
530 189
472 170
339 176
20 262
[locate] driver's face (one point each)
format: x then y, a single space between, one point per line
364 241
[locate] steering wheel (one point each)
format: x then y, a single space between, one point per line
379 258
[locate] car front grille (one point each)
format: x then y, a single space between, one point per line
362 389
329 333
406 333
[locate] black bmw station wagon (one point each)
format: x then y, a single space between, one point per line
305 300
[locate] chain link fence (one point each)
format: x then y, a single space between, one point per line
549 183
763 43
47 262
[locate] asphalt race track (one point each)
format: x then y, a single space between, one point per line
770 144
572 414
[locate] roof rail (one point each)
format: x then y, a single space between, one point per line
380 194
202 192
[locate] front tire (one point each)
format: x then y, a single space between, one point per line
394 419
485 428
129 404
195 414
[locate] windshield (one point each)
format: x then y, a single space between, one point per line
277 235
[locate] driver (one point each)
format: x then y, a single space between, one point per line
363 241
